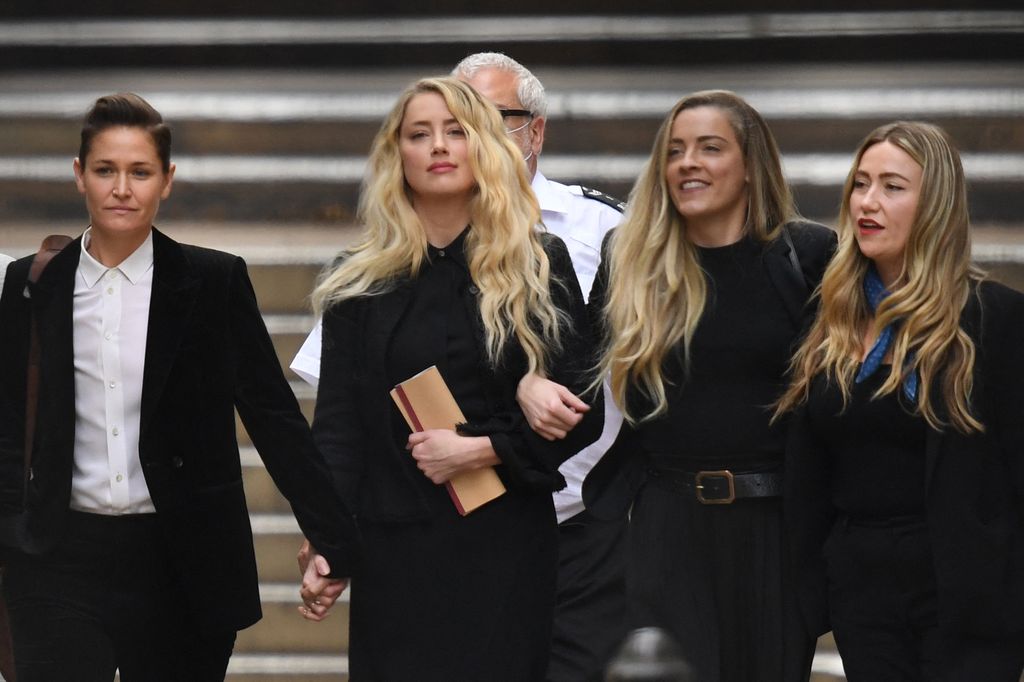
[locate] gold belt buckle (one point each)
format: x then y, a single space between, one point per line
698 483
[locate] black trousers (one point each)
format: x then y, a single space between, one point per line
884 611
590 608
105 600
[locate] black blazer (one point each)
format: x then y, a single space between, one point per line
974 488
378 478
207 352
610 487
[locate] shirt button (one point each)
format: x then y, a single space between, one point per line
115 431
473 289
113 384
441 253
119 478
110 290
108 336
177 462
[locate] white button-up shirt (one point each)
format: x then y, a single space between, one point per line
4 262
111 320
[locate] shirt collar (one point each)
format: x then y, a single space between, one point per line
456 251
550 200
133 267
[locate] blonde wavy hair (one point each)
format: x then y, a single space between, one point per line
507 262
657 290
936 278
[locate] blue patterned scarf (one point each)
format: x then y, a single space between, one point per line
876 293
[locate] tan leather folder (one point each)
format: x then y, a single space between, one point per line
426 403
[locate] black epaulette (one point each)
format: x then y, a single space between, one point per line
609 200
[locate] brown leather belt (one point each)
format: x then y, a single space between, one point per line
718 487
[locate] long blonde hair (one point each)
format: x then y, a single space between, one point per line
937 275
657 290
507 262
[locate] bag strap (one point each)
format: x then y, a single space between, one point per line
794 257
50 247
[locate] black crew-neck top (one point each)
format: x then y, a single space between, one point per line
720 406
876 448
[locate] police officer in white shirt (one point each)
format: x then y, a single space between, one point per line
4 260
590 610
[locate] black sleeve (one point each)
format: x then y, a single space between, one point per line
529 459
599 295
808 515
1002 351
337 428
279 431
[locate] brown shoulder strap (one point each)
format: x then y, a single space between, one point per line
50 247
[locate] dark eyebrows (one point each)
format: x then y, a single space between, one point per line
111 162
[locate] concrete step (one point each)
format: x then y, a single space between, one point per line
581 121
287 667
318 189
543 38
289 146
283 629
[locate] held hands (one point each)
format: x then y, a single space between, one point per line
318 592
441 454
551 409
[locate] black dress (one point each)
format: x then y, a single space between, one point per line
440 596
713 576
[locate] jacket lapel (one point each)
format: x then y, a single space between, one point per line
175 289
386 311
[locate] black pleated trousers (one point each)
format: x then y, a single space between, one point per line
105 600
590 605
884 610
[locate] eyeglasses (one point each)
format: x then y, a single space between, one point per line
512 113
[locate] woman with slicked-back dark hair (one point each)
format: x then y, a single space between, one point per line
131 549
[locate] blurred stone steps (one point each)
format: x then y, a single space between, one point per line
327 189
732 34
287 147
272 126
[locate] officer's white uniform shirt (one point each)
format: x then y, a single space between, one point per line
4 261
581 223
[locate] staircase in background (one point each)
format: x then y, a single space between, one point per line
272 117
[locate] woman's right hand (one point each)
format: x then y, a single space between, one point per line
551 409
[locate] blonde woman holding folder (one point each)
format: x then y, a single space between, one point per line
450 273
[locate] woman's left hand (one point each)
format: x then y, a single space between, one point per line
442 454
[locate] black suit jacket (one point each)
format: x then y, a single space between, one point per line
376 477
974 488
610 487
207 352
